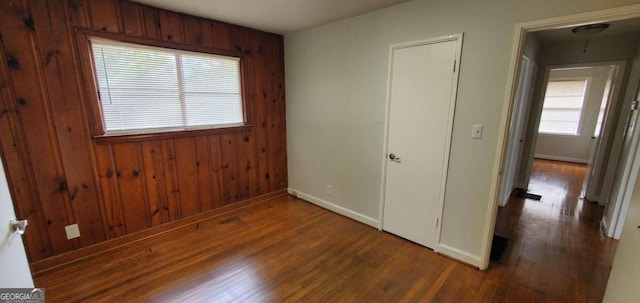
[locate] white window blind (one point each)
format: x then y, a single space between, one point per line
562 108
149 89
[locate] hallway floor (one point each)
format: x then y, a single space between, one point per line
556 247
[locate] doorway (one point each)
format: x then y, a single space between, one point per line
422 90
581 49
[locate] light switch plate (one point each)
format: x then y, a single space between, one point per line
73 231
476 131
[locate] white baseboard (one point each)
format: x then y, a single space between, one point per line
459 255
335 208
559 158
441 248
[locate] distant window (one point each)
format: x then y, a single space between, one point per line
562 108
147 89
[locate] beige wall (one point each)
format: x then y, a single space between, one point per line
336 79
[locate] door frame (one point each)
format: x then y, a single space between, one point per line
521 29
522 108
458 38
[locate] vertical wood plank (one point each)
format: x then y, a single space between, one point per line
217 182
192 35
244 166
79 11
104 15
131 185
131 18
151 22
171 26
22 60
204 172
221 35
186 174
71 127
206 32
279 82
274 120
109 189
154 179
17 166
228 156
262 92
171 179
252 164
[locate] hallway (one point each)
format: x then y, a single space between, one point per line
556 246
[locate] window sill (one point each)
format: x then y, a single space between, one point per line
128 138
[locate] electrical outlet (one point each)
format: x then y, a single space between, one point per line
329 189
73 231
476 131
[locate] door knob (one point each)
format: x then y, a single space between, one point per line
394 158
19 226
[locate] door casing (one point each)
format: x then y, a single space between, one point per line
454 89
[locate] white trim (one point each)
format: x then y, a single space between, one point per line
459 255
604 226
618 13
559 158
613 127
628 179
335 208
454 90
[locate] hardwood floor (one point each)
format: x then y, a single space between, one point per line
288 250
557 251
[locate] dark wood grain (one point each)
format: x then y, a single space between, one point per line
62 171
186 162
36 124
132 187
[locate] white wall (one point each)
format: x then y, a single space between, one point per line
576 148
623 285
337 88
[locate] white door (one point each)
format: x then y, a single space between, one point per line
594 167
516 127
423 84
14 267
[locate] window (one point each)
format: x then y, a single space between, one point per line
562 108
146 89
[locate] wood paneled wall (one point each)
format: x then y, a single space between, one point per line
60 175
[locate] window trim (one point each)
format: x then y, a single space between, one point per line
587 87
98 128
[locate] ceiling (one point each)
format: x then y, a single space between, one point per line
276 16
617 27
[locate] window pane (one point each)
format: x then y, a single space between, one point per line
562 107
204 109
126 113
150 88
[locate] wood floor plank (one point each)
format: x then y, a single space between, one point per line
288 250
